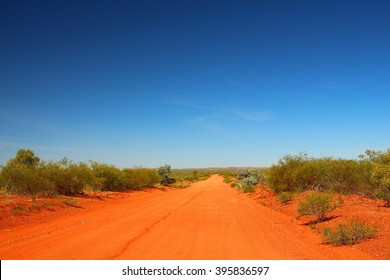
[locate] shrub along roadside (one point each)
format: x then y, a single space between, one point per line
26 174
350 233
285 197
316 204
247 180
369 175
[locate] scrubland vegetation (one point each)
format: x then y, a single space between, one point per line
26 174
322 178
369 175
350 233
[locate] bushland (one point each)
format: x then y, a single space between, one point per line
26 174
367 175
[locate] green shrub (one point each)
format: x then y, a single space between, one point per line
227 180
248 184
381 177
350 233
108 177
26 174
139 178
316 204
72 178
245 173
258 174
247 189
25 180
19 208
248 179
71 202
282 176
284 197
192 175
301 173
181 185
383 192
165 173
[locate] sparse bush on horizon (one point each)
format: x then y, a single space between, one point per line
190 174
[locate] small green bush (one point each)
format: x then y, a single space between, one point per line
248 184
165 173
71 202
245 173
19 208
350 233
381 177
227 180
383 192
316 204
284 197
247 189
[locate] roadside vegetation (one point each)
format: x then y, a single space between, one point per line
245 179
350 233
318 185
316 204
285 197
369 175
315 184
191 174
320 179
27 174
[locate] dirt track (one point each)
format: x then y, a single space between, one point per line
208 220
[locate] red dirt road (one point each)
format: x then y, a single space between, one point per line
208 220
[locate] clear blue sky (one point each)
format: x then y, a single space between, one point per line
194 83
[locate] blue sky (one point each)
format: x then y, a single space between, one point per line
194 83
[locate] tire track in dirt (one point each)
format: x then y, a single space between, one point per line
149 228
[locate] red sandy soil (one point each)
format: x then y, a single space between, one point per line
208 220
349 208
